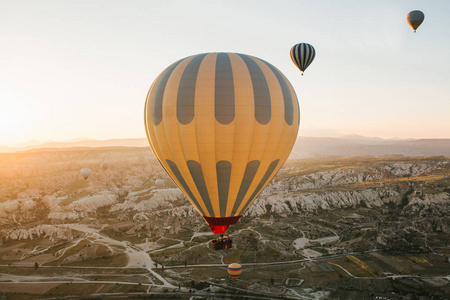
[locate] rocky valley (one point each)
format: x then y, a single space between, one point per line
320 228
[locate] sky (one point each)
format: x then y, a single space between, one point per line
82 69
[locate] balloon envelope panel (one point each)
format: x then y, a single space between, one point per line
221 125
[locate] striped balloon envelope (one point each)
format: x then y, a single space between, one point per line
221 125
235 270
302 55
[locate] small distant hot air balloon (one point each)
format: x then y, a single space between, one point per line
302 55
159 183
234 270
105 166
85 172
415 18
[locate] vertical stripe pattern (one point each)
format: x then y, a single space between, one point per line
302 55
223 169
260 91
221 125
197 174
159 93
186 91
262 184
224 90
288 109
181 181
250 172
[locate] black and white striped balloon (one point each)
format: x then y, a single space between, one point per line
302 55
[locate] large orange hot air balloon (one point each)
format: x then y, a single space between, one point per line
221 125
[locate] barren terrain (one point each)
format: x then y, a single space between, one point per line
324 228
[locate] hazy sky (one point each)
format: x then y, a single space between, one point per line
72 69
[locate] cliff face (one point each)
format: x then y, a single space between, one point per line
409 189
345 176
50 232
311 202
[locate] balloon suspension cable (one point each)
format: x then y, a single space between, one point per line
414 31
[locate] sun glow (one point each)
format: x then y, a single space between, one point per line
14 116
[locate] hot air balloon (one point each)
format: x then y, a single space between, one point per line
105 166
85 172
159 183
302 55
234 270
221 125
415 18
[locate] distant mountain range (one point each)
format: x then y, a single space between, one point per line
358 145
81 143
350 145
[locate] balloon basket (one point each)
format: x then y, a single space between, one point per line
221 243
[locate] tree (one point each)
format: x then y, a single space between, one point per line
36 265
